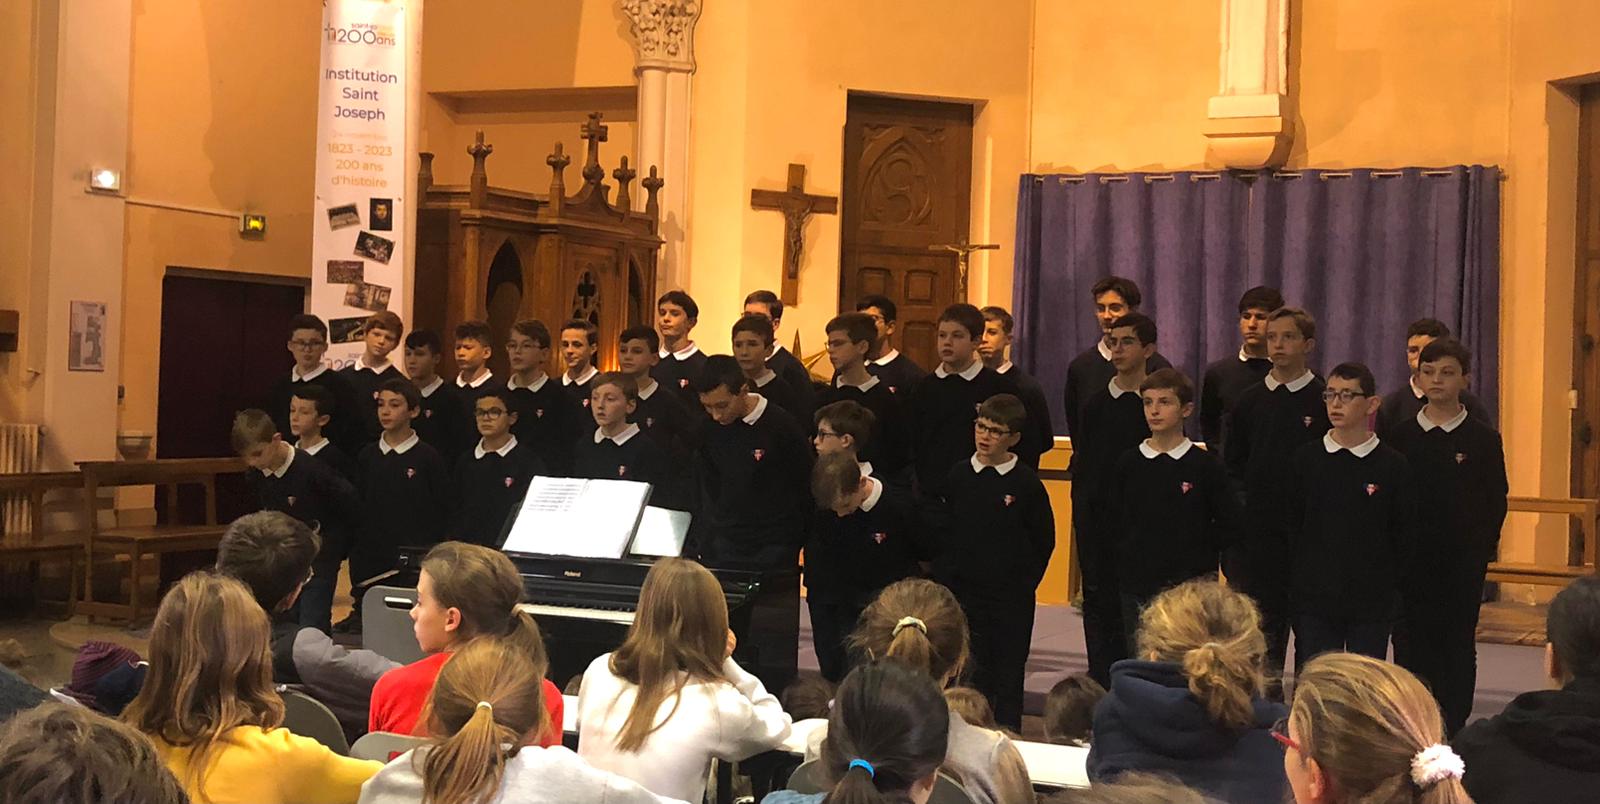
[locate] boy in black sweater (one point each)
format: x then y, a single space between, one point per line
752 341
999 538
661 415
405 489
310 409
290 481
473 377
1400 406
1112 422
1227 378
1352 515
381 333
308 342
865 536
997 326
580 340
885 362
1089 372
943 407
850 338
1460 471
618 450
547 418
751 466
440 423
781 360
492 478
1269 423
681 360
1172 510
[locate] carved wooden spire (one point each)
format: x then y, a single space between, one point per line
652 185
624 176
595 133
479 188
558 162
424 173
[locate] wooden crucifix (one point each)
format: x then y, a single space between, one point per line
963 252
796 205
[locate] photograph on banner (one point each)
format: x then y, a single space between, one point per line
342 216
373 247
367 296
381 214
346 330
344 272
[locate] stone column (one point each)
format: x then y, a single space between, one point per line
1248 120
663 41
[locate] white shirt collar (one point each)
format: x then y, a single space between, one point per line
866 468
978 466
886 358
383 444
1361 450
587 376
299 444
682 354
620 438
1294 385
282 470
769 376
776 348
1175 453
967 373
361 365
295 375
511 383
1415 391
460 383
1244 357
644 393
872 380
1117 390
1105 351
756 410
504 450
427 390
874 495
1428 424
1004 367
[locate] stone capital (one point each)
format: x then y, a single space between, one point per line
1248 120
663 32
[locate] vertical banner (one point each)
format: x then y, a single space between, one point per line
358 260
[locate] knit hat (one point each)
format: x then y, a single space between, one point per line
96 661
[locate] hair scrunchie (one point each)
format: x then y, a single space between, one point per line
1434 764
909 622
872 773
486 705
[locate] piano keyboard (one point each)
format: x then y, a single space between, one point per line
578 613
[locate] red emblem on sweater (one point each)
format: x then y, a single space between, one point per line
879 537
410 472
539 414
509 481
683 383
1461 457
427 414
291 501
374 394
1307 420
622 471
891 389
586 403
758 454
1372 488
1185 486
1010 499
649 421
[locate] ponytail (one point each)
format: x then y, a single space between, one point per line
889 729
1220 684
1214 634
489 695
917 623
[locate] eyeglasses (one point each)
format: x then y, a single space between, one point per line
821 434
489 413
1280 732
1344 395
299 344
997 432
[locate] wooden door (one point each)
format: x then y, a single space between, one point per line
907 186
1585 301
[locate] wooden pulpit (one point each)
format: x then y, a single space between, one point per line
501 255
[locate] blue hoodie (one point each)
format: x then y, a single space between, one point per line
1150 722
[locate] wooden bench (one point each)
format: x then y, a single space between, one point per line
139 541
37 543
1586 510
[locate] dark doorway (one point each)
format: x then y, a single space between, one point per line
222 350
907 186
1586 309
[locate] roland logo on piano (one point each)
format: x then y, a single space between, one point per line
572 573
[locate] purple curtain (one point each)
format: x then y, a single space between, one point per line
1365 251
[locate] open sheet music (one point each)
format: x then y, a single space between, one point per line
575 517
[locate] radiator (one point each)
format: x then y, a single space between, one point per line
19 454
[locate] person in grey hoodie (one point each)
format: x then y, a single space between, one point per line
488 715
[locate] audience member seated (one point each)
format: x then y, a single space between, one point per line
484 722
1192 704
1545 746
105 677
1135 788
808 697
17 695
464 591
1361 731
58 753
1069 710
271 553
918 623
887 735
210 707
670 698
971 706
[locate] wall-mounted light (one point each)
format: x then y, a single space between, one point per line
105 180
252 225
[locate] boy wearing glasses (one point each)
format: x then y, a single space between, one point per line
492 477
1269 422
1110 423
1000 535
1352 513
547 419
944 405
898 372
308 342
850 338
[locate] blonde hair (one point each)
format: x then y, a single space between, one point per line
679 634
487 702
1364 722
1214 633
971 706
919 623
210 670
251 428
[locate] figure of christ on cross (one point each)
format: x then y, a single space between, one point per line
796 205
